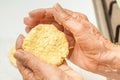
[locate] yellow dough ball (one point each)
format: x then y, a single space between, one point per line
47 43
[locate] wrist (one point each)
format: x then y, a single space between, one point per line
110 61
115 52
111 56
110 53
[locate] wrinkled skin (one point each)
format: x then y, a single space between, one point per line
32 68
89 49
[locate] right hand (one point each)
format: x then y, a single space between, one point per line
90 48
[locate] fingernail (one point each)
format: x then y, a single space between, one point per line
19 42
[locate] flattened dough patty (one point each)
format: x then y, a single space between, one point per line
47 43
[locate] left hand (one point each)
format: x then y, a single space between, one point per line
32 68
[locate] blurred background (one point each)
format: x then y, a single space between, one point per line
104 14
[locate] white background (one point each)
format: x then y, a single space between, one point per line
12 13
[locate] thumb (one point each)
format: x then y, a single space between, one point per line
65 19
33 63
36 66
27 59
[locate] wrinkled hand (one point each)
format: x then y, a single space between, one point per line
32 68
91 50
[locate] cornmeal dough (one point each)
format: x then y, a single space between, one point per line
11 57
47 43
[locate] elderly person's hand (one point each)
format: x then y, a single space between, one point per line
89 48
32 68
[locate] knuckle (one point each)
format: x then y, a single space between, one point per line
84 17
67 17
80 16
27 59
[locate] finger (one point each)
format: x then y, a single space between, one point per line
33 22
41 16
59 27
19 42
33 63
66 20
41 13
30 22
29 26
26 72
77 15
43 21
20 67
27 29
23 70
38 16
27 59
70 38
